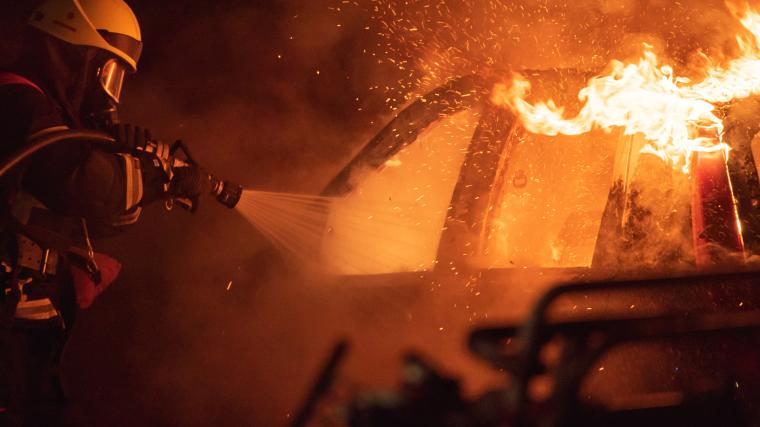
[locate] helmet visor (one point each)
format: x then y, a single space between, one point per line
111 77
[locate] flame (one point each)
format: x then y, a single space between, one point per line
675 115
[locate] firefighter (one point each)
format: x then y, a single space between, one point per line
69 75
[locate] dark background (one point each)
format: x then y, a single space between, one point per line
278 95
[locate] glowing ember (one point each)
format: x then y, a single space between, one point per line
676 116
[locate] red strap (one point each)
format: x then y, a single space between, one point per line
7 78
86 289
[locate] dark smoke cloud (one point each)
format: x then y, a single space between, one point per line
278 95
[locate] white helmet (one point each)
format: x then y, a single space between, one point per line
105 24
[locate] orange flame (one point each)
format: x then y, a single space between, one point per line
675 115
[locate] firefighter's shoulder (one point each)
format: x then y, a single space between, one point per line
24 108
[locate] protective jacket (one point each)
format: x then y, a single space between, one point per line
67 191
49 209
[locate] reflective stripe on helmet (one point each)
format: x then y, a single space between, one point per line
124 43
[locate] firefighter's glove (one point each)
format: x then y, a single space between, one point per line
131 138
190 182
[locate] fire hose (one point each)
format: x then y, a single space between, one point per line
226 192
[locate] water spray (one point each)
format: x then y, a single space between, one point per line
296 224
293 223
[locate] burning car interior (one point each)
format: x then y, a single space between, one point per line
428 216
490 195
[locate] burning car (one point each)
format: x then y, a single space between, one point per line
635 186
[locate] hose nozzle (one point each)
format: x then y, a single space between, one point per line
226 192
